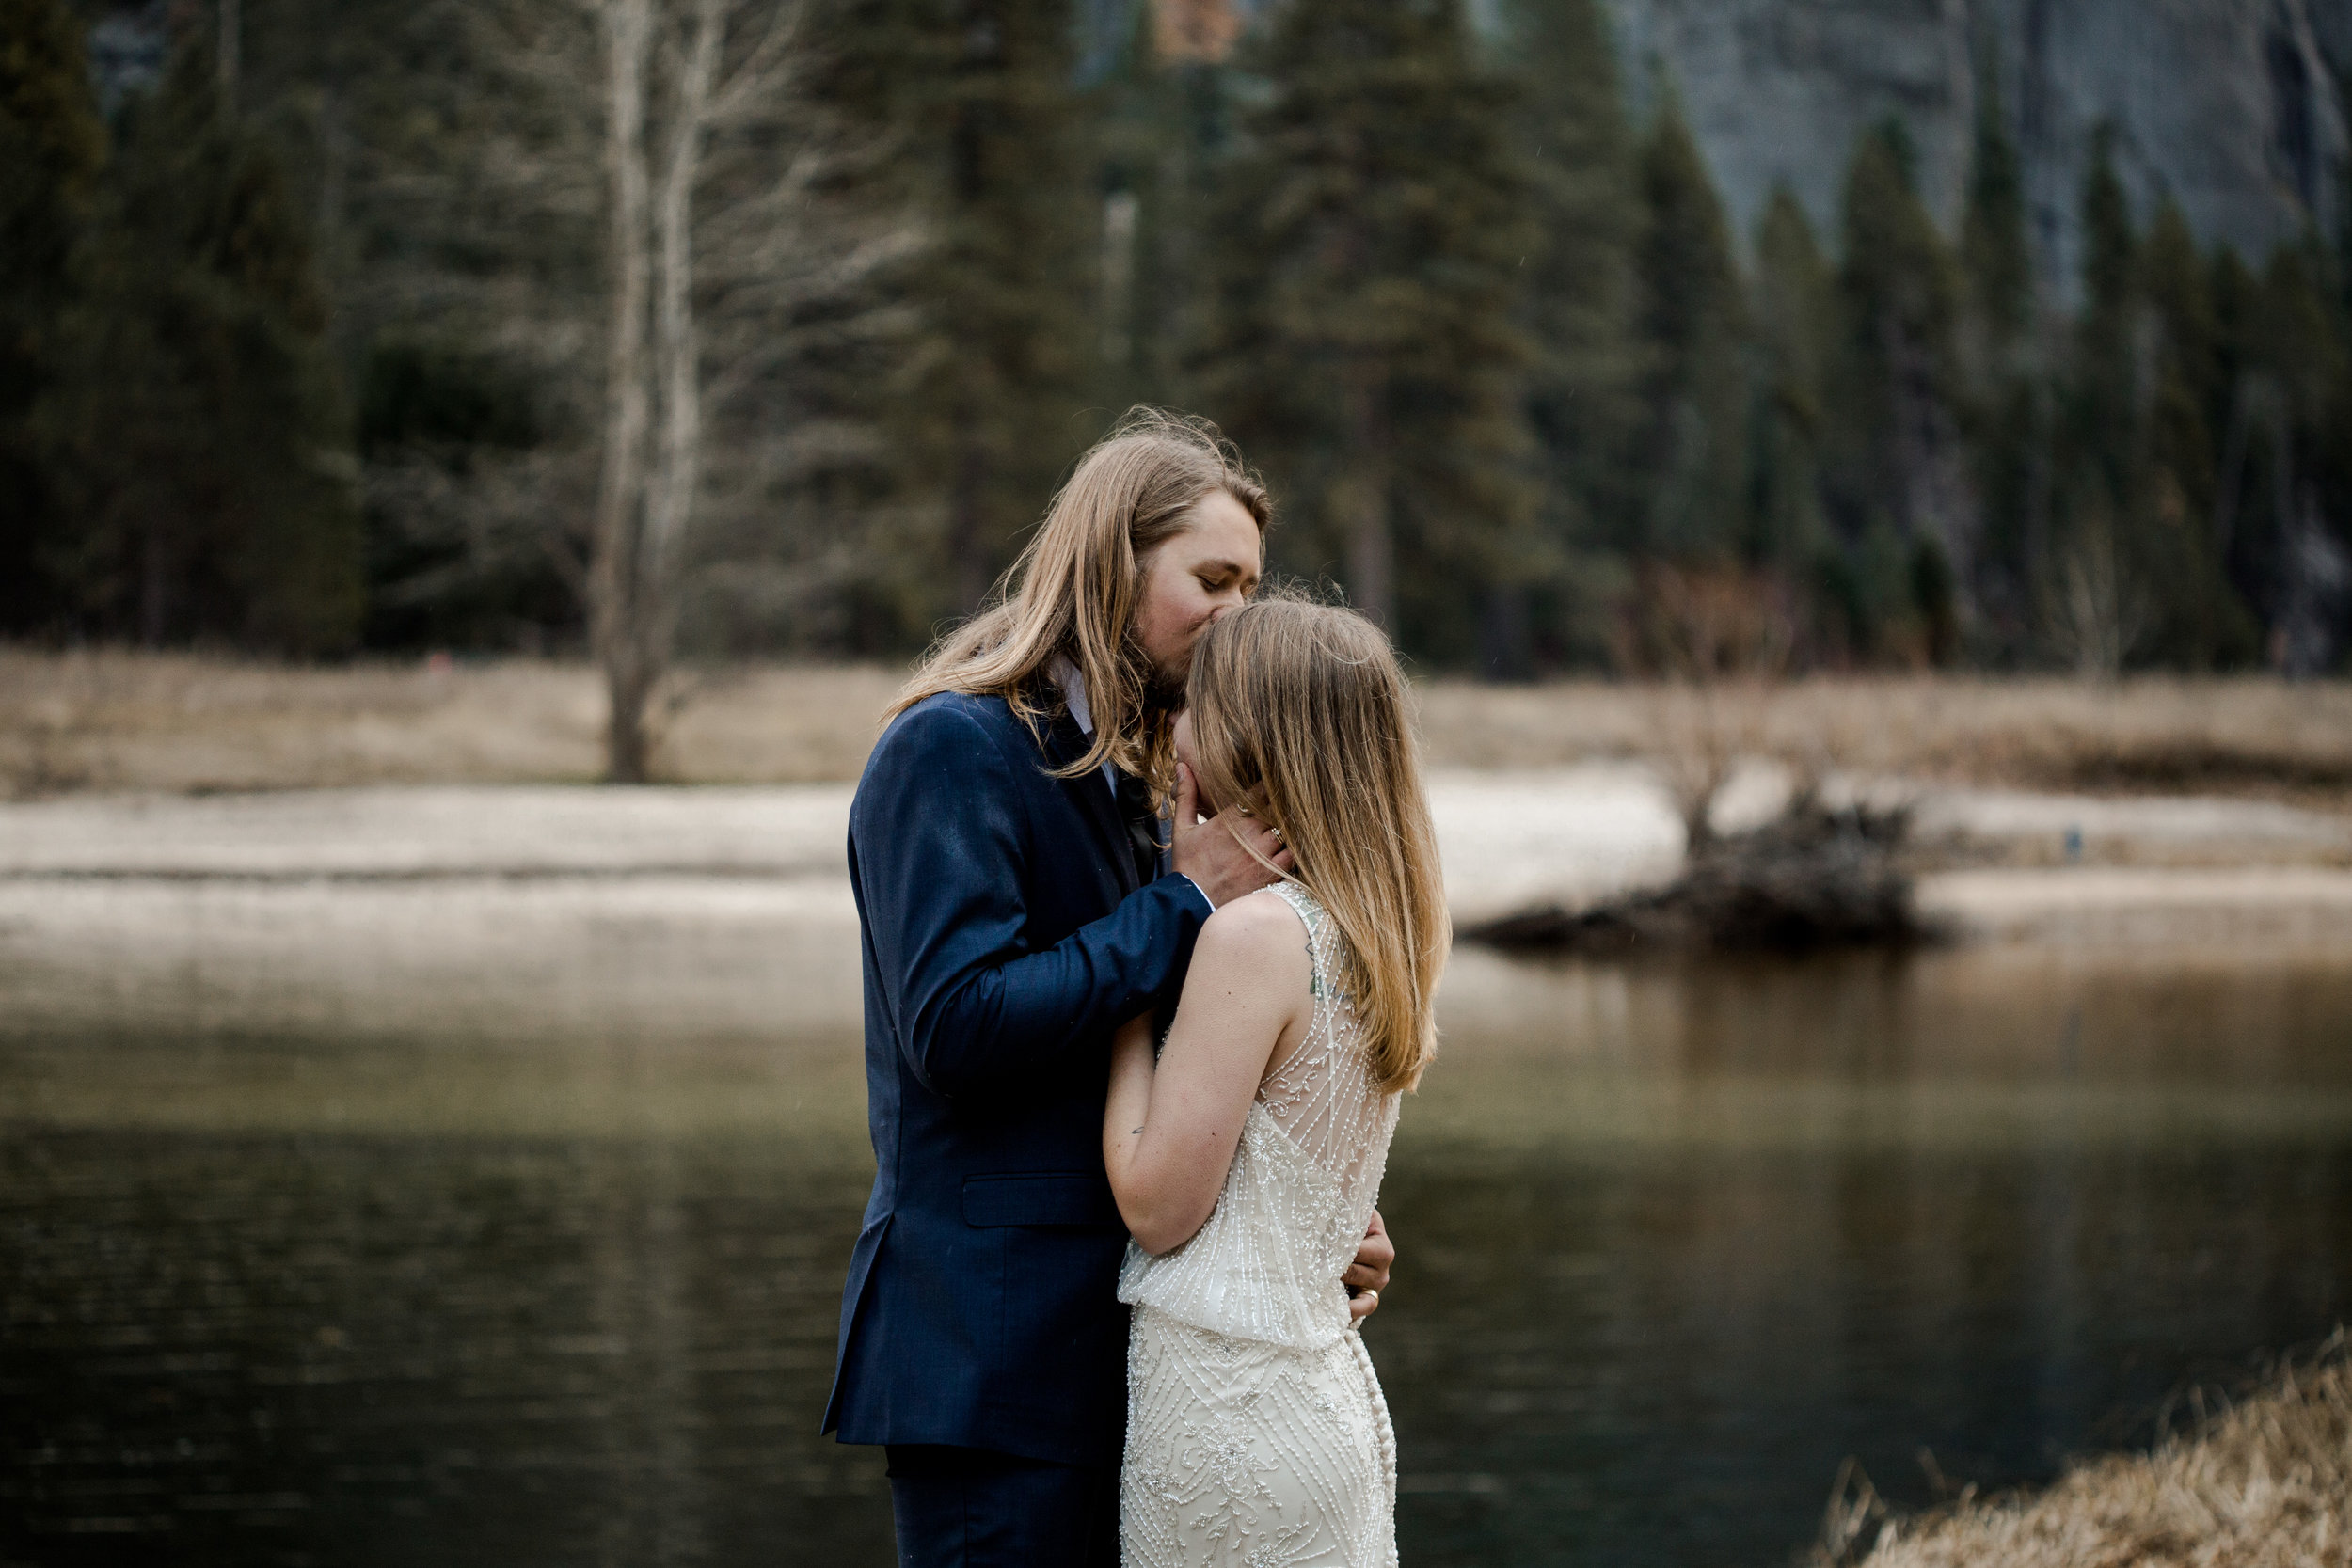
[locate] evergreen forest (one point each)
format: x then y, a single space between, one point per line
728 328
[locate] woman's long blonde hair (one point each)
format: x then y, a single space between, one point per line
1299 713
1075 587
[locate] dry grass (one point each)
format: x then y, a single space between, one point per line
2266 1484
114 719
2236 735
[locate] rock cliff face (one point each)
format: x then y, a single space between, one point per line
2233 106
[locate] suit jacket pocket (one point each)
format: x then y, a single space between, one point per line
1039 1197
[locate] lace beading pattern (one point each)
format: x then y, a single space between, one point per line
1305 1178
1257 1433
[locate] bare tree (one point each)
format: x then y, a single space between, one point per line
2099 607
653 433
704 236
718 248
1722 639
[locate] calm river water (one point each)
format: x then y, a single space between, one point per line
1678 1238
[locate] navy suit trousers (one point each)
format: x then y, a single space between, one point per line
970 1508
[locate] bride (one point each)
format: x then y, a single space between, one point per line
1246 1158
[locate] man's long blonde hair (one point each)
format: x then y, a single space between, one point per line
1301 714
1075 590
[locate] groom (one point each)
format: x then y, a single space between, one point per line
1015 910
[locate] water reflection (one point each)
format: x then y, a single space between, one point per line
1678 1240
361 1350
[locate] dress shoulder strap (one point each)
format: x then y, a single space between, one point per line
1311 911
1299 898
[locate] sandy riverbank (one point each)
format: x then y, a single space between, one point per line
170 826
1511 839
141 769
548 911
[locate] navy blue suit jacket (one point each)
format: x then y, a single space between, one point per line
1005 938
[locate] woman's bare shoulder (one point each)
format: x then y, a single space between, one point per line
1260 932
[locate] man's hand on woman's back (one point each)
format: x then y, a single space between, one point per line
1368 1275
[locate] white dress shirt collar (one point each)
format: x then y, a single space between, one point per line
1072 682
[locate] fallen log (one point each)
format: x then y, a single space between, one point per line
1811 878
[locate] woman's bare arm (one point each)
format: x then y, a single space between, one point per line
1169 1130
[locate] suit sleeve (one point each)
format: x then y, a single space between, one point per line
941 850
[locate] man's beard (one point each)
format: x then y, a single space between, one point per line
1164 689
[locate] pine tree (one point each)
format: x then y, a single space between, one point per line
1165 109
2104 361
1583 402
52 146
2291 518
986 407
2201 622
2333 455
1693 323
1796 337
431 147
1994 256
1899 485
2004 398
1363 341
2095 582
2175 289
198 430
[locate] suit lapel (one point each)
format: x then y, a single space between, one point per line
1065 744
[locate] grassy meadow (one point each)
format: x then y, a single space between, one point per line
112 720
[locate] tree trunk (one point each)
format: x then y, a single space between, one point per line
628 745
1370 550
1120 211
982 66
154 587
616 581
1363 509
967 521
1504 653
1936 498
676 475
2040 486
232 51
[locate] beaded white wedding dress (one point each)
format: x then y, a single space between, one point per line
1257 1435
